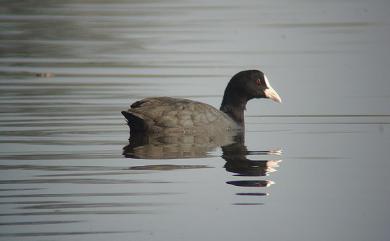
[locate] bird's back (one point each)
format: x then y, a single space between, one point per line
166 114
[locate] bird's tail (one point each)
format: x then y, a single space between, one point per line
135 122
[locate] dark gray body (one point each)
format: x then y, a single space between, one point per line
174 115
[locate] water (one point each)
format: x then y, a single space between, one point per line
314 168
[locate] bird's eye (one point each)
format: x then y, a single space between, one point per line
258 82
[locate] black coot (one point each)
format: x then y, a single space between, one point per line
174 115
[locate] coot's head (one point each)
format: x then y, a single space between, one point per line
251 84
244 86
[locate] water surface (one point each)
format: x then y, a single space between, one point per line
314 168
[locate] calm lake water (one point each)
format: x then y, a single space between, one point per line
316 167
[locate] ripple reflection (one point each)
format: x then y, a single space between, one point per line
239 160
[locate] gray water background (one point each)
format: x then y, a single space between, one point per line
62 172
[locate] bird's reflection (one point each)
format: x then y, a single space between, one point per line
236 157
249 167
174 146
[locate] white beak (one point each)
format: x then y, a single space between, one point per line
270 93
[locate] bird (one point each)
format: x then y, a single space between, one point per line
177 115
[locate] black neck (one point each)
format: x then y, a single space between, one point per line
234 105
